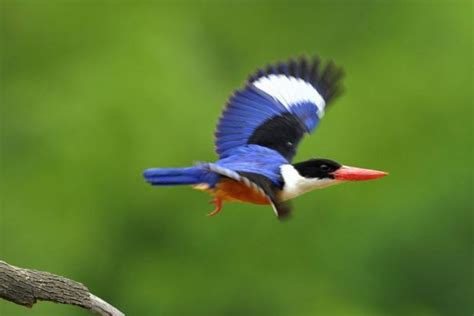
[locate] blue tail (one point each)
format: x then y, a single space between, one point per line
175 176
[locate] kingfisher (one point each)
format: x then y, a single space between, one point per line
257 137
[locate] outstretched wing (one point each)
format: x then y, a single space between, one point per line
278 106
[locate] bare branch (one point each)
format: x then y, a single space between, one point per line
25 287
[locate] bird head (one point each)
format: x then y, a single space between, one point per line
320 173
332 170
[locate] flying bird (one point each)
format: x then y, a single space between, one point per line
257 137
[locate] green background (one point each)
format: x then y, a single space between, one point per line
95 92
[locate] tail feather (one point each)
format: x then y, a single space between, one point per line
174 176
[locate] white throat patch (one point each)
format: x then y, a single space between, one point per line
295 184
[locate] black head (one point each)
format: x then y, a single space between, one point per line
317 168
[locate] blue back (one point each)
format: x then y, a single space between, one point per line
255 159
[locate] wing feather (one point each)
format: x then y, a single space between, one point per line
256 182
283 101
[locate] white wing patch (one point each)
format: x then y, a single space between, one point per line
274 208
290 91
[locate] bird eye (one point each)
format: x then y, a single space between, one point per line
324 168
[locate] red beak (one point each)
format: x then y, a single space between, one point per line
357 174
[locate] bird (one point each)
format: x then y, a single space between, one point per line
257 136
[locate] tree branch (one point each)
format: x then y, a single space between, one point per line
25 287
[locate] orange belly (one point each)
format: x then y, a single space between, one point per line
231 190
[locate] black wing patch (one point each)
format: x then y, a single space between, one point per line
282 209
281 133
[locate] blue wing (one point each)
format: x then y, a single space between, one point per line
258 168
255 159
278 106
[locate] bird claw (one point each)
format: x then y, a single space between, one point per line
218 203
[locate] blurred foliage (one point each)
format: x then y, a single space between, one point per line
94 92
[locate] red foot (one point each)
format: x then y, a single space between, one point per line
218 203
